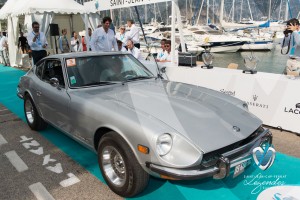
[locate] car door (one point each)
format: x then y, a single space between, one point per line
53 100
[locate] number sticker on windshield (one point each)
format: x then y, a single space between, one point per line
72 80
71 62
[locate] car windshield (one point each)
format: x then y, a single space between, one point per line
104 70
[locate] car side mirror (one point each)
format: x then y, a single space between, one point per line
54 82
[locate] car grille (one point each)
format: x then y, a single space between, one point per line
211 158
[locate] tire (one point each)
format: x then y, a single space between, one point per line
120 166
34 120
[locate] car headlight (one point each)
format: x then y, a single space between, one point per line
164 144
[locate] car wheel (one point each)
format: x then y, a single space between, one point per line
33 118
119 166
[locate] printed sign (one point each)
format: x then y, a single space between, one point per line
100 5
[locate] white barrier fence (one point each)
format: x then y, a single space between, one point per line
274 98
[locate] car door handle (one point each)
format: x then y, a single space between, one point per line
38 93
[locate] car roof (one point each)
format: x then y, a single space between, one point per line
84 54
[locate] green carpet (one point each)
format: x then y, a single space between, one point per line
285 170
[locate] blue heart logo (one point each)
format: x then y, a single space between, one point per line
264 156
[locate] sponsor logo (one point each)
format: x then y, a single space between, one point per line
255 97
256 103
264 156
261 182
231 93
295 110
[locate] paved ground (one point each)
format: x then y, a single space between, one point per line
33 168
286 142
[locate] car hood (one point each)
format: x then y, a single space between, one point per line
209 119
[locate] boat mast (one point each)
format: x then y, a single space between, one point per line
167 13
200 12
155 13
221 12
270 7
279 9
186 10
146 13
250 10
233 2
214 11
241 10
287 10
207 11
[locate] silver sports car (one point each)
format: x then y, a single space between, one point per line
138 123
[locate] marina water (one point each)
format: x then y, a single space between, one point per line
269 61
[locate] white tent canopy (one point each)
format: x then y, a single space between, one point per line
8 8
46 6
42 11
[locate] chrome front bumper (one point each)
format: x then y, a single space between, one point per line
222 168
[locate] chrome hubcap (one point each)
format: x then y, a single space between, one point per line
114 166
29 111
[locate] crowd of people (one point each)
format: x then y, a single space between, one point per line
103 38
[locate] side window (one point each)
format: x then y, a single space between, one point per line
39 69
53 69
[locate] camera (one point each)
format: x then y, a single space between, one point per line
286 31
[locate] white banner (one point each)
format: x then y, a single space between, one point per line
100 5
273 98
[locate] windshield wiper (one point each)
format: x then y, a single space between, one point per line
138 78
100 83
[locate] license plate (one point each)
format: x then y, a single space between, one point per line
240 168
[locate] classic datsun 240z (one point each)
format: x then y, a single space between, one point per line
140 124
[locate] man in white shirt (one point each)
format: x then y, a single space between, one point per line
37 42
134 50
103 38
167 57
120 46
4 49
161 53
133 34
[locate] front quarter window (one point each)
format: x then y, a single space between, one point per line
39 69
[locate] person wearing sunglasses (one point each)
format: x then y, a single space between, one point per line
37 42
167 57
